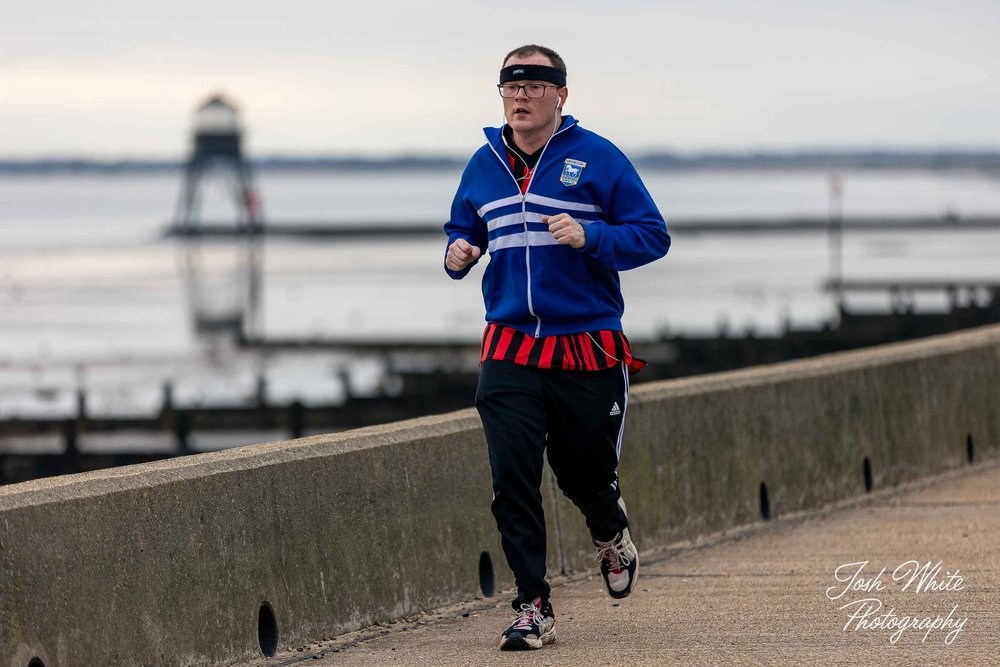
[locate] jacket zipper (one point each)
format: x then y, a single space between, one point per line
524 216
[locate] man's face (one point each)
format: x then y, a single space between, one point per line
526 115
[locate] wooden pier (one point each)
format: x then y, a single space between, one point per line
396 229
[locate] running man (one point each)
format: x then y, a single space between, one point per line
561 211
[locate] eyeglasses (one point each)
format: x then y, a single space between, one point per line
532 90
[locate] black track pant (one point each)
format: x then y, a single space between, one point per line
580 416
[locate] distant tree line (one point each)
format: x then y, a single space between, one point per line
731 160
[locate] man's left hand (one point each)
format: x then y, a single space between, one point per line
566 230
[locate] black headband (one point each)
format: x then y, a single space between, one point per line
533 73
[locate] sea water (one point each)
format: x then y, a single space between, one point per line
91 291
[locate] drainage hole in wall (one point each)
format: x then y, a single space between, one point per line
867 469
36 662
970 452
765 504
486 574
267 630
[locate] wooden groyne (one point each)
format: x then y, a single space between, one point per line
396 229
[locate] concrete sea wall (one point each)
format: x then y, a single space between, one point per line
219 558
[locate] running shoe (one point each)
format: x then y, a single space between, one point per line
534 625
619 564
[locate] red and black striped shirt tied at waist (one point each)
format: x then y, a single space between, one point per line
589 351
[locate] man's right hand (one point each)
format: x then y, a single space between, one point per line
461 253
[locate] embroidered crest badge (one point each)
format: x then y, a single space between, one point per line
571 172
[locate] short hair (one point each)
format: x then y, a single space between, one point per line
532 49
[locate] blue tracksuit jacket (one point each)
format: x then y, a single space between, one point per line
533 283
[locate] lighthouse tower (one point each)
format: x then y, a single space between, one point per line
220 258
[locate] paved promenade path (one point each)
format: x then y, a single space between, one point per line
757 596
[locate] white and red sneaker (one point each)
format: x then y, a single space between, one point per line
534 625
619 564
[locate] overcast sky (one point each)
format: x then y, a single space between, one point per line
119 79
